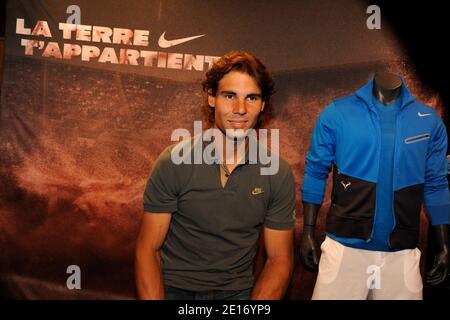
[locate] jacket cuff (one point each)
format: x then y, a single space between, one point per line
312 198
313 189
439 214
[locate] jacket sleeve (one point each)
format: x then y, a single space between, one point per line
320 156
436 193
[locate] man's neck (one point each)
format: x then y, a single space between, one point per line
238 149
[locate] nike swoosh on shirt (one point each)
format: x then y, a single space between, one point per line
164 43
423 114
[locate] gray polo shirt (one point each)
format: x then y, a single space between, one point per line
213 233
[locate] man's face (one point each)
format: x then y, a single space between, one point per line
237 104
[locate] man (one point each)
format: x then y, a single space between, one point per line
202 221
388 153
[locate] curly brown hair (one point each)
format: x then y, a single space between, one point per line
243 61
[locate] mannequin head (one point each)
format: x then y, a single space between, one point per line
387 87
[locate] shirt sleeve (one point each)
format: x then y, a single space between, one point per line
281 211
162 188
436 193
320 156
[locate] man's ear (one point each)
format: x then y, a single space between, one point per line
211 100
263 105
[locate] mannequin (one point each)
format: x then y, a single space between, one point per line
387 88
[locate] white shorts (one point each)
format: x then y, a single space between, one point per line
354 274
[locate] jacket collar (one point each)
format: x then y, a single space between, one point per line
365 93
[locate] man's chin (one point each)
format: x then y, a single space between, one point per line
236 134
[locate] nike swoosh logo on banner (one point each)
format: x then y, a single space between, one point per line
163 43
423 114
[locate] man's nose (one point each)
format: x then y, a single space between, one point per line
240 107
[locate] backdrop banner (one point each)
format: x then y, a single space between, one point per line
92 91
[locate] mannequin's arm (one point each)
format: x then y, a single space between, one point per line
309 255
441 267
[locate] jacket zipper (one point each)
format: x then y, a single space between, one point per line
378 129
397 145
371 108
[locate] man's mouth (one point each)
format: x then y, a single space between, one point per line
237 124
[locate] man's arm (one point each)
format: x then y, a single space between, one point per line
148 275
260 257
274 278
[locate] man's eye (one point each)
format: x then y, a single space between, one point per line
229 96
253 98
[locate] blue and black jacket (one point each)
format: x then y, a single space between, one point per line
347 137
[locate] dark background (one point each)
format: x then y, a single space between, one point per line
423 29
2 18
